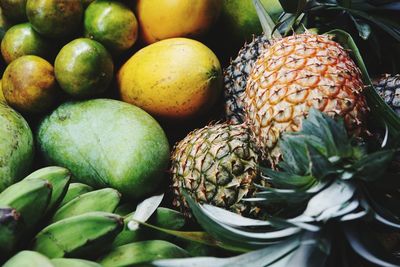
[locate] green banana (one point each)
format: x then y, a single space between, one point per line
106 200
140 253
58 177
30 198
74 190
9 227
28 258
73 263
78 236
163 217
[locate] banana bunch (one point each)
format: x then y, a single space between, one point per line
54 222
79 219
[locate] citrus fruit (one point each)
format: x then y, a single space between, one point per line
55 18
21 40
111 23
84 68
162 19
239 18
14 9
177 78
29 84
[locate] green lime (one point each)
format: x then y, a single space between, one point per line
240 19
55 18
14 9
21 40
29 84
84 68
111 23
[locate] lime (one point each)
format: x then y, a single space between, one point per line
14 9
55 18
84 68
21 40
29 84
111 23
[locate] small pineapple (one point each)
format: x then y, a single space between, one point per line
388 87
295 74
236 75
216 165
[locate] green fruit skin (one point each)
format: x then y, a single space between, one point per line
21 40
16 147
55 18
5 24
75 190
62 262
142 253
111 23
28 258
240 17
84 68
163 217
14 9
107 143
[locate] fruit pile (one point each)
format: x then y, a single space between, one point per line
128 137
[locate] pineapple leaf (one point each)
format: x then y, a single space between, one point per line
367 246
335 195
234 238
258 258
371 167
320 165
287 180
294 150
332 133
379 109
144 210
313 251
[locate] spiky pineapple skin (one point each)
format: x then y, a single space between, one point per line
295 74
236 75
217 165
388 87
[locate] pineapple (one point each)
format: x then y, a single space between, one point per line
216 164
329 214
236 75
388 87
295 74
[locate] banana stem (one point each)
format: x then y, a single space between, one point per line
267 23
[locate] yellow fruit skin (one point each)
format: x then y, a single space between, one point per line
161 19
177 78
2 98
292 76
29 84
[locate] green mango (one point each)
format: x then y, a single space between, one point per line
16 147
107 143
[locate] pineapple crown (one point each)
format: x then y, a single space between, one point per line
319 154
323 177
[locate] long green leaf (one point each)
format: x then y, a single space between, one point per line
259 258
380 110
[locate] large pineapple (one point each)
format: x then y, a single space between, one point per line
388 88
217 165
236 75
295 74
